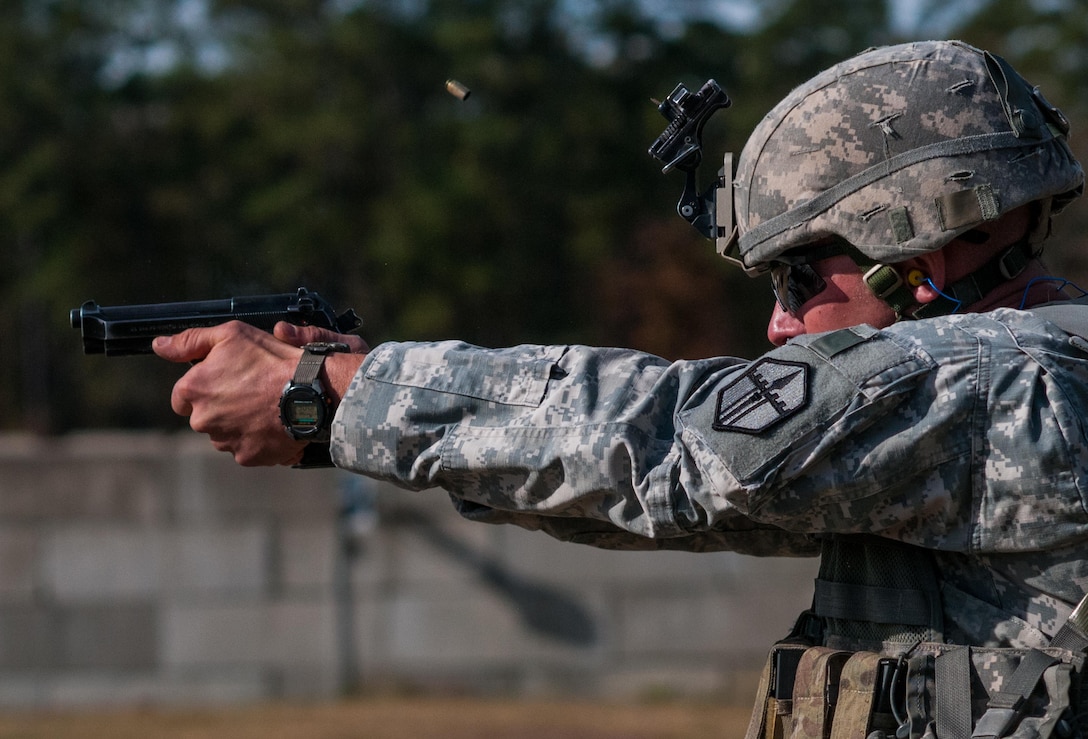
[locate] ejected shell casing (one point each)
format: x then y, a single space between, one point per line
459 91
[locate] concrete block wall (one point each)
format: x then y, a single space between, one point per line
148 569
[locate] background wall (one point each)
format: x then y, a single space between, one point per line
148 569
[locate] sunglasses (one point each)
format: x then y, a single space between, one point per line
794 285
793 279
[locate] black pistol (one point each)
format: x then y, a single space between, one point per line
124 330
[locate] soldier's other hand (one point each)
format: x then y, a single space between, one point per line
301 335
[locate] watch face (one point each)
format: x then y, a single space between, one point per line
303 411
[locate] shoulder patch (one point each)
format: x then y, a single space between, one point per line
770 391
759 422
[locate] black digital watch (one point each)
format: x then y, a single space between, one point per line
304 406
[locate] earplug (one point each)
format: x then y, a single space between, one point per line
916 277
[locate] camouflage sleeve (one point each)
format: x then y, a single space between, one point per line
604 446
577 442
900 433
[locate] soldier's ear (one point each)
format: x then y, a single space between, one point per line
925 276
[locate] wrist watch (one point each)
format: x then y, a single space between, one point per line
304 406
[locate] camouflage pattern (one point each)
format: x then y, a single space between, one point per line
897 151
962 434
838 694
818 668
991 669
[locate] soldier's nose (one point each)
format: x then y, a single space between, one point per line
783 326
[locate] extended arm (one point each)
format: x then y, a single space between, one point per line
612 447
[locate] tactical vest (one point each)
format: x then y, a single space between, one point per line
869 661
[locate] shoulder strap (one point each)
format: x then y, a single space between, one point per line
1007 705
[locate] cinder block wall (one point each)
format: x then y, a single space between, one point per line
148 569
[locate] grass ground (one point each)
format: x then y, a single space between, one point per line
393 718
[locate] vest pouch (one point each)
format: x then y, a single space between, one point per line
772 717
866 691
816 692
937 691
825 693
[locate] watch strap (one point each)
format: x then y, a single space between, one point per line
315 455
313 358
309 367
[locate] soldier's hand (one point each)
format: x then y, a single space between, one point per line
232 393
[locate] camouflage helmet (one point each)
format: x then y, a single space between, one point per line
897 151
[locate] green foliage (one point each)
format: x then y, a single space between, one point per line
288 143
1045 41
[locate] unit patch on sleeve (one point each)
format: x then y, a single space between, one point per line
770 391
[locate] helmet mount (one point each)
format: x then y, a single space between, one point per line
680 146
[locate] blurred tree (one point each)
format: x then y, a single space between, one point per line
50 139
1047 42
160 150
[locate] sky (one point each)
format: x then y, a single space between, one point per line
143 46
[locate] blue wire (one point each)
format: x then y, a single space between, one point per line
959 303
1064 284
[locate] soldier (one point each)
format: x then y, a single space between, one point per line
919 424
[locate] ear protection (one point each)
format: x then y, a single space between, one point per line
916 277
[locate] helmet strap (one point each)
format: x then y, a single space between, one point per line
887 284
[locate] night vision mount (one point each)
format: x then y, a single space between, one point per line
680 146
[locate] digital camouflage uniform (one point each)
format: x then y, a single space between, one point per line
939 466
961 434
